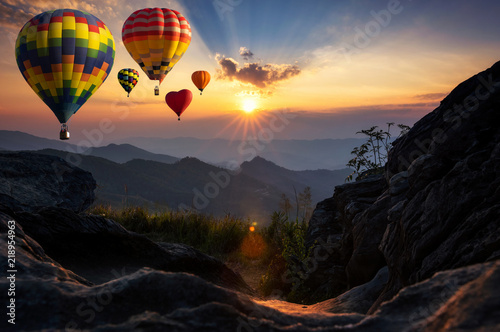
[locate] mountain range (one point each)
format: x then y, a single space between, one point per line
295 155
128 175
292 154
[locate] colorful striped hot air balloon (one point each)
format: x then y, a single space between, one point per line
65 55
128 79
200 78
156 38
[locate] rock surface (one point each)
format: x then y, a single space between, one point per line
439 206
450 215
153 300
99 249
32 181
331 232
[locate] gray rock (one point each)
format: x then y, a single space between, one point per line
398 183
451 216
30 258
29 181
442 207
330 233
150 300
99 249
358 299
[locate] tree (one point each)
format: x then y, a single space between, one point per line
372 155
285 205
305 203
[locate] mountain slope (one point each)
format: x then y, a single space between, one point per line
321 182
188 183
122 153
292 154
17 140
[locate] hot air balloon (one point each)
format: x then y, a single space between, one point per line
179 101
128 79
156 38
65 55
200 78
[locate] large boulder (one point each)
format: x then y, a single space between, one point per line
29 181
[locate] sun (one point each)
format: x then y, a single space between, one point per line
249 105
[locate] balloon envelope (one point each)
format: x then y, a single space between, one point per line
128 78
156 38
200 78
179 101
65 55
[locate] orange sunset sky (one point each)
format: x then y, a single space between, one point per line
339 66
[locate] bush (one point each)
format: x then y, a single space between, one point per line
371 156
284 273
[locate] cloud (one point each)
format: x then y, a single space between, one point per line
431 96
12 17
14 14
245 53
261 76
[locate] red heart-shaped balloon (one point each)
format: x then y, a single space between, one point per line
179 101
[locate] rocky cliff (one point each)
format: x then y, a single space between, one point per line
435 208
414 249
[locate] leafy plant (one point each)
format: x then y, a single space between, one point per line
284 273
371 156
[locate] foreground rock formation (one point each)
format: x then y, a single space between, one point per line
414 249
51 297
436 207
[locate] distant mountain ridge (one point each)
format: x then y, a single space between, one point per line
292 154
329 154
128 175
188 183
19 141
288 181
254 191
122 153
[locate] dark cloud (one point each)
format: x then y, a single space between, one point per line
12 17
261 76
245 53
431 96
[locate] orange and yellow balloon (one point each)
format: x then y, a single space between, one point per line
200 78
156 38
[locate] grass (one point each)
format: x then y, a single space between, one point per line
218 237
261 256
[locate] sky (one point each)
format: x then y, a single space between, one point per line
319 68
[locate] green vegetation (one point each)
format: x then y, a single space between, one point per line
303 204
215 236
276 251
371 156
287 244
